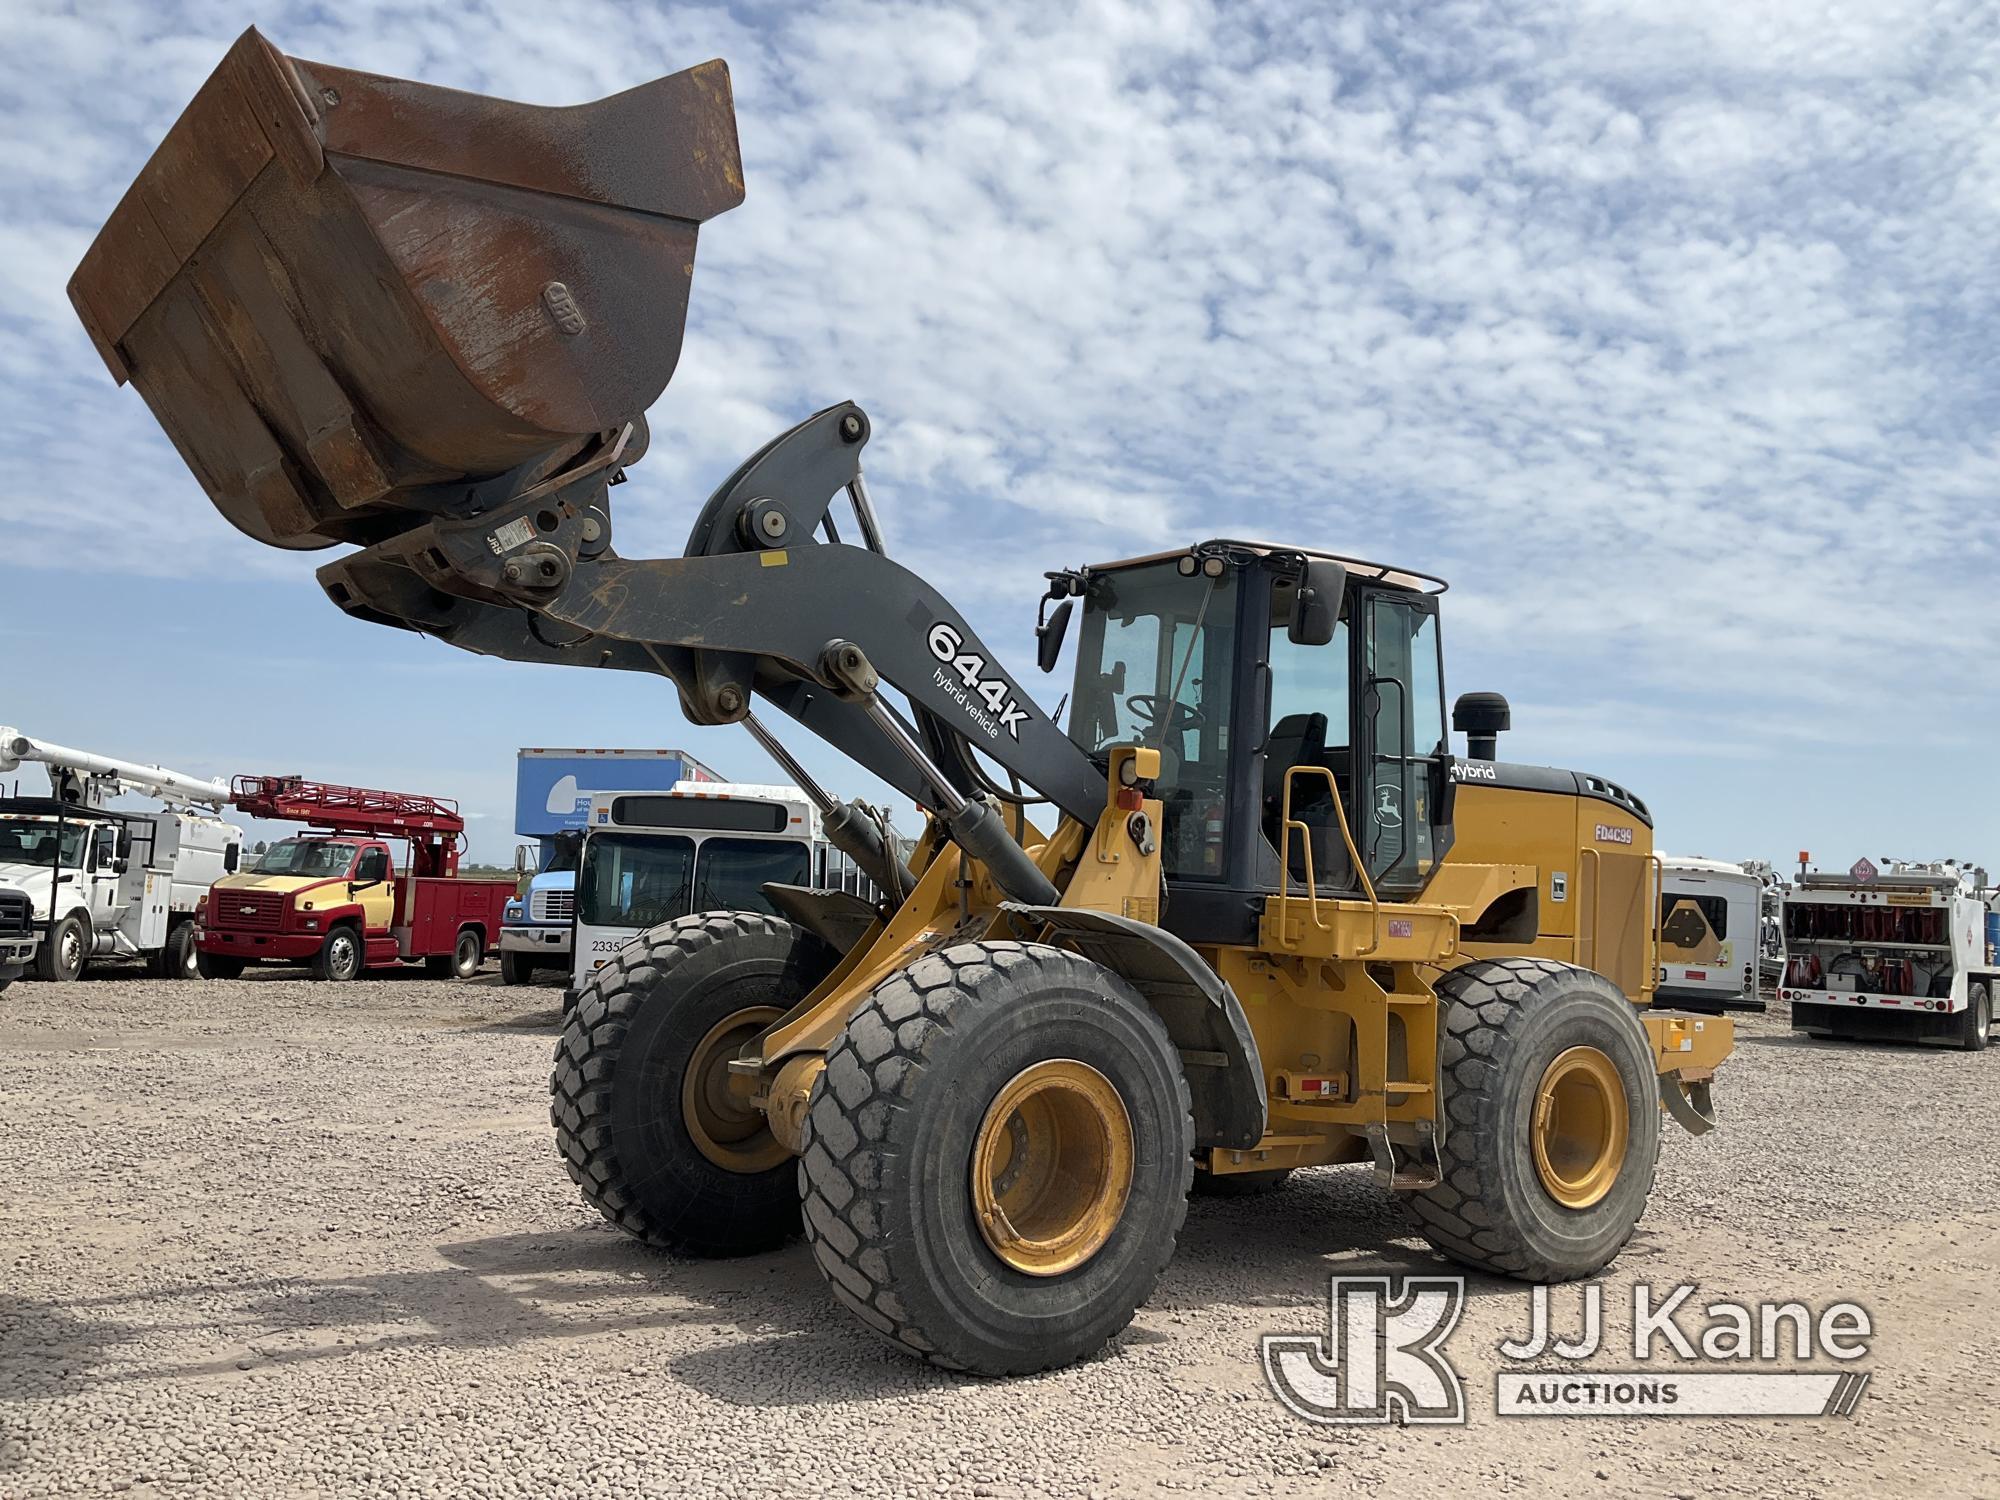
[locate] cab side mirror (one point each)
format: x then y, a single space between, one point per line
523 861
1316 606
1051 631
1049 636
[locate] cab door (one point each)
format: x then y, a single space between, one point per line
1404 795
375 888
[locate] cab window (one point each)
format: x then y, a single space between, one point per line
374 864
1155 666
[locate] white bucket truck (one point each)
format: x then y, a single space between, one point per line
101 882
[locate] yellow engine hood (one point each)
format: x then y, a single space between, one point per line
288 883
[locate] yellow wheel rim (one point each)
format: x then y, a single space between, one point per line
1580 1128
725 1126
1052 1167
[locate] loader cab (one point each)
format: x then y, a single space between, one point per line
1260 723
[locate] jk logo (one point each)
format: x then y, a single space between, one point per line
1381 1358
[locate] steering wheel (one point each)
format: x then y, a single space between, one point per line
1182 716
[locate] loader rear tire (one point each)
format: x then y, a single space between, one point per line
1239 1184
644 1120
1552 1121
998 1158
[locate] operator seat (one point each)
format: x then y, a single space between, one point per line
1295 740
1300 740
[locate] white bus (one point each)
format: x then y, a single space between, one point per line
649 857
1710 935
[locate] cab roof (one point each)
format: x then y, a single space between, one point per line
1374 572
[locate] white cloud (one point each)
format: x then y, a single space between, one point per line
1667 338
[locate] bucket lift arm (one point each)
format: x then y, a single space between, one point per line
763 603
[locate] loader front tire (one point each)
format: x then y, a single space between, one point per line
1551 1121
644 1117
998 1158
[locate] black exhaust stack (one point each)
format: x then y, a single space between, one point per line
1481 717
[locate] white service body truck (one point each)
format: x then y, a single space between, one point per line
1709 935
103 882
1896 953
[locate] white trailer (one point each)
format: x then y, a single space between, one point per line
101 882
1901 952
1709 935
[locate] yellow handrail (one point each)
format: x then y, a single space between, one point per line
1659 899
1286 823
1588 932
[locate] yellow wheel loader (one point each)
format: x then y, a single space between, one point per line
1245 913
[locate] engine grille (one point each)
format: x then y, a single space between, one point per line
16 915
246 911
552 906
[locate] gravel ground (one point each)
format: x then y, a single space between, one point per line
269 1237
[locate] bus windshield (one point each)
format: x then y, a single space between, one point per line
634 880
733 872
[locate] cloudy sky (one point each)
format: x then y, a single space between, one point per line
1669 343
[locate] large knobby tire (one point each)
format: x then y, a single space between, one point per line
916 1093
1511 1030
342 956
62 956
643 1116
1975 1026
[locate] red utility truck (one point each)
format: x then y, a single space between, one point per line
338 898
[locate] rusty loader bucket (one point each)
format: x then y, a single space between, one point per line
349 298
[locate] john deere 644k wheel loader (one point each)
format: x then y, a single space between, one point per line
1266 921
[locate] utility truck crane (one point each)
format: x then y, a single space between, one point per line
100 882
1261 917
337 899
